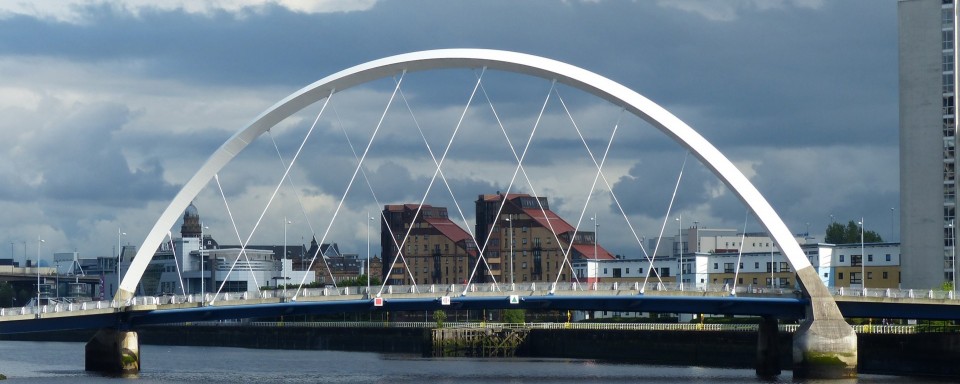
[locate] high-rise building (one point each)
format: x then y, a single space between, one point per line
928 128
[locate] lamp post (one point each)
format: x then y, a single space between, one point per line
773 268
283 260
510 223
39 242
696 228
680 225
367 266
596 226
953 256
200 253
892 231
119 252
863 260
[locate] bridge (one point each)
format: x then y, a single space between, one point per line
825 345
779 304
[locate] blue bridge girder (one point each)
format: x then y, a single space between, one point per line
783 308
783 304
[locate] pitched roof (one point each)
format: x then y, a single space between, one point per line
587 251
558 224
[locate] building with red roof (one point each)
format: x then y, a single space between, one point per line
421 245
523 240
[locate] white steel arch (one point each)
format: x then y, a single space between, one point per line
506 61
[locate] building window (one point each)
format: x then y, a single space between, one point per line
888 257
524 265
839 275
870 258
869 275
716 266
841 258
885 275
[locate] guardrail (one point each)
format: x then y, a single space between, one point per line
789 328
458 289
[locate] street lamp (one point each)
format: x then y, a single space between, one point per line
892 231
596 225
696 228
680 225
119 252
510 223
369 219
953 255
863 260
283 260
200 253
39 242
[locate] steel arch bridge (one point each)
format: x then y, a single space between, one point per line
825 330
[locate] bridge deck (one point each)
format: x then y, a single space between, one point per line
171 309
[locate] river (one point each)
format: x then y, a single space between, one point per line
60 362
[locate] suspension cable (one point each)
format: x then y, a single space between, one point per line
176 263
518 169
352 179
433 179
665 218
302 208
743 237
243 250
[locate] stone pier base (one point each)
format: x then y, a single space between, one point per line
113 351
768 348
825 348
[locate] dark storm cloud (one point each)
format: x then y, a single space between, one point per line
649 187
82 163
758 84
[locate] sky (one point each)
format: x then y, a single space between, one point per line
109 107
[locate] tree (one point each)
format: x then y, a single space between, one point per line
6 295
439 316
514 316
837 233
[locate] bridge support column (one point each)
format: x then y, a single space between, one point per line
113 351
768 348
825 348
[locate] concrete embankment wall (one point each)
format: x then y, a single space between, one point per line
706 348
933 354
388 340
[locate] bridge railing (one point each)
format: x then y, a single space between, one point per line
787 328
535 288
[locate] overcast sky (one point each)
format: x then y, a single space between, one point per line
108 107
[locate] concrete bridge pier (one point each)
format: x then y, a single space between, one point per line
768 348
113 351
825 348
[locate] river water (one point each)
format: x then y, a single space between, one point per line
58 362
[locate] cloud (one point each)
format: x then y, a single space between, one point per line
730 10
99 94
82 11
